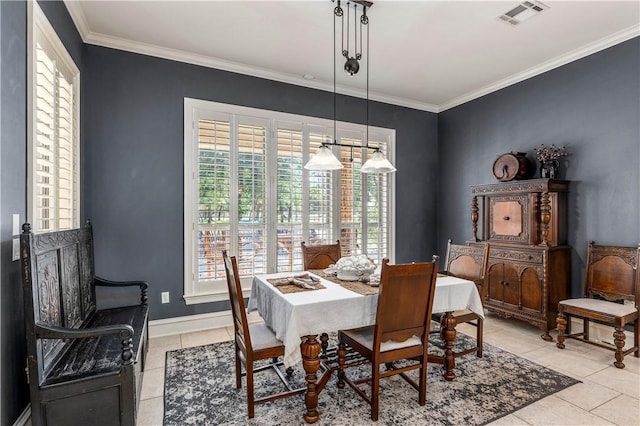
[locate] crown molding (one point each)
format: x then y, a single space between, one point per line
221 64
604 43
78 18
89 37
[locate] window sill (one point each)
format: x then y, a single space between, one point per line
213 296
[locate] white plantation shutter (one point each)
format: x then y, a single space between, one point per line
289 183
376 198
244 173
351 198
66 156
54 144
251 194
214 170
321 199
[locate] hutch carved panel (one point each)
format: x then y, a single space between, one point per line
529 262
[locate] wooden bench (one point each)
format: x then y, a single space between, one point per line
84 364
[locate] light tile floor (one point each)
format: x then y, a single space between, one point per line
606 396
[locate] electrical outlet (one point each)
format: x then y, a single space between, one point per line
165 297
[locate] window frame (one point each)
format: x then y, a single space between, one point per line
38 22
196 109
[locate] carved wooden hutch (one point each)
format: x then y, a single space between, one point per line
529 262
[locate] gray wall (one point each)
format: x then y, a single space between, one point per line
131 110
593 106
14 394
133 161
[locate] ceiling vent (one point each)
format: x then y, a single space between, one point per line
523 12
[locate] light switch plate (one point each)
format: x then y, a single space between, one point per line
15 255
16 224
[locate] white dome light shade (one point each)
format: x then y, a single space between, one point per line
377 164
323 160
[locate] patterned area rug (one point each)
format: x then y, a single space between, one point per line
200 390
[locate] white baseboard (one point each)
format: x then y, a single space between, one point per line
25 417
192 323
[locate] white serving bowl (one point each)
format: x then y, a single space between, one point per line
352 268
349 275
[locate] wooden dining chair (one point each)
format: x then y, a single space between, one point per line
470 263
401 331
253 342
612 277
320 256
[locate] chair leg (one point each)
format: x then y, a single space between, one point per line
250 398
238 370
585 329
479 337
561 321
422 388
375 390
636 333
342 354
618 339
324 343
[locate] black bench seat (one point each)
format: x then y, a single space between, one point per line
102 354
84 364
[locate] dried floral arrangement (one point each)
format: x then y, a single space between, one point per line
551 152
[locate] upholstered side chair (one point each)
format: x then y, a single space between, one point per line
612 297
401 331
469 262
253 342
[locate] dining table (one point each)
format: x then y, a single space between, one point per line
299 315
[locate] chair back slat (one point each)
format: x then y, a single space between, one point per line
405 301
241 325
468 262
612 272
320 256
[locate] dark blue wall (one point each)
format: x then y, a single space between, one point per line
14 394
591 105
131 132
133 161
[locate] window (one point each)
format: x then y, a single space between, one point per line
246 191
54 137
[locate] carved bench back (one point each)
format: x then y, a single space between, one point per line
612 272
58 275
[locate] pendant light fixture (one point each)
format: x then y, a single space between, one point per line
324 159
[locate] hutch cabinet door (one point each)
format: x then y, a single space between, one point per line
532 285
504 286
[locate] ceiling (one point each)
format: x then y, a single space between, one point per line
429 55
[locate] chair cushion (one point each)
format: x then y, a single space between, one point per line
262 337
364 336
596 305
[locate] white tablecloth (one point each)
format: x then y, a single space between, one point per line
294 315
